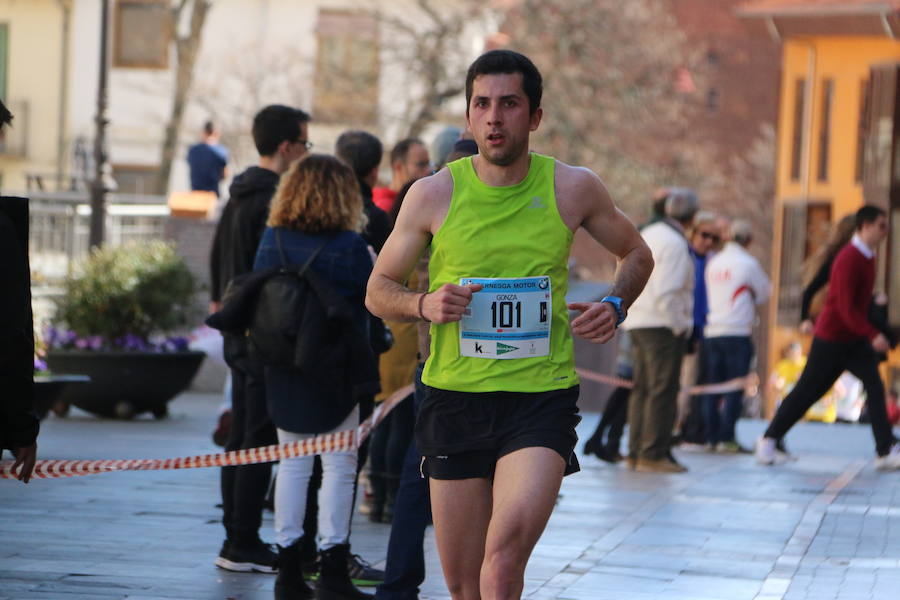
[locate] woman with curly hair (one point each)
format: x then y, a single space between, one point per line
317 212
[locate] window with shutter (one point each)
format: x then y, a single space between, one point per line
142 34
347 67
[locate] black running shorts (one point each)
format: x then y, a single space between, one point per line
462 435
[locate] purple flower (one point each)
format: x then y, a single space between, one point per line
178 344
39 364
65 338
132 342
51 335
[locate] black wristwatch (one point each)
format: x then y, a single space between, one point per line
616 303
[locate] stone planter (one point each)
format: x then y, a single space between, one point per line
48 391
124 383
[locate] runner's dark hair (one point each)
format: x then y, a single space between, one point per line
507 61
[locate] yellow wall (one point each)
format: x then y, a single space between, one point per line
847 61
33 76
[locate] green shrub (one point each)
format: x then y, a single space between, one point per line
125 292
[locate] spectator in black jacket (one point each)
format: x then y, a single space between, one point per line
280 135
18 422
362 151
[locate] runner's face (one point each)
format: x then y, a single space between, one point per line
499 118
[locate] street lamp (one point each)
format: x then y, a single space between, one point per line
103 181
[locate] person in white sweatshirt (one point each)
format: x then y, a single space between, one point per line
735 284
659 322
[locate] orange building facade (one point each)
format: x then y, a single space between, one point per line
838 141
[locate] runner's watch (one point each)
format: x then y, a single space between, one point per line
616 303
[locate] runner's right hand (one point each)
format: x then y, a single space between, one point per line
448 303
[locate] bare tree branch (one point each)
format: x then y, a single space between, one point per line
187 47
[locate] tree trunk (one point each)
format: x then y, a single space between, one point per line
186 50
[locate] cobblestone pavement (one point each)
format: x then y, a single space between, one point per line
825 527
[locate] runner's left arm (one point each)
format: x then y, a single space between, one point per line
610 227
615 231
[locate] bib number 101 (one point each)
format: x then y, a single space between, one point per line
502 314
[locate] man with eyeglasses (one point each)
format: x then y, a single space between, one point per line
280 135
736 284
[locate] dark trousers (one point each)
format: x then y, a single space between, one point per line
390 440
405 570
612 424
693 425
693 430
657 354
726 357
244 488
826 362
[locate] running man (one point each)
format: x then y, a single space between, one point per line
497 426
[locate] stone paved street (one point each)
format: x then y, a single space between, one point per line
825 527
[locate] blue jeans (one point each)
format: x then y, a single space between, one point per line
725 358
405 570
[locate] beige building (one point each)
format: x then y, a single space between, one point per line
33 85
342 60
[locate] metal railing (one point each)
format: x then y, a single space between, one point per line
59 229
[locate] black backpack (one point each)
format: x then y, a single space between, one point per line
288 300
291 318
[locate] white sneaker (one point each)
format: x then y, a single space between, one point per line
890 461
765 451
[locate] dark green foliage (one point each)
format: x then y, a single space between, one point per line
137 289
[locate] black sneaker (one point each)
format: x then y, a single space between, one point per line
310 569
362 573
258 557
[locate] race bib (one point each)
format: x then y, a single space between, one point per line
509 318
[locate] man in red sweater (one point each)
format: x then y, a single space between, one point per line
844 340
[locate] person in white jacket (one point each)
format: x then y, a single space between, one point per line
659 322
736 284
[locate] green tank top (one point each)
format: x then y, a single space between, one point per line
515 336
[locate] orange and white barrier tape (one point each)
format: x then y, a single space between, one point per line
339 441
732 385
